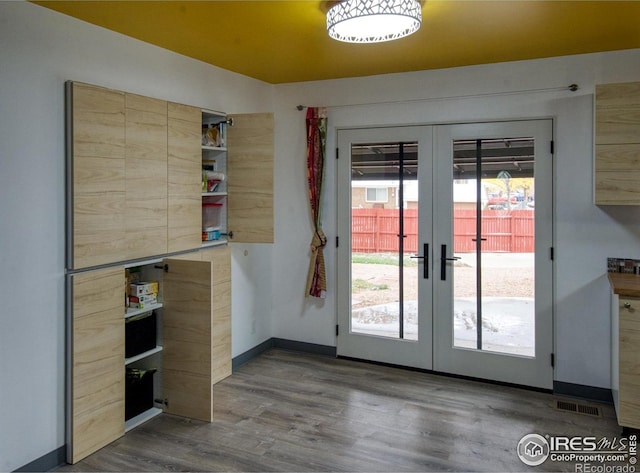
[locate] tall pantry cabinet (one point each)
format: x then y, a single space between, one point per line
134 202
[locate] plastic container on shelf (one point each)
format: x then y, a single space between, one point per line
211 180
211 212
212 185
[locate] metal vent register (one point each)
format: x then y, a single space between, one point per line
578 408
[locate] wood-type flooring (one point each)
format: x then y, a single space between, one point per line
288 411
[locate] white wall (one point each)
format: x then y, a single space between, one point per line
40 50
585 235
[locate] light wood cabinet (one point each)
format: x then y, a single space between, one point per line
617 144
184 178
96 361
246 158
220 259
145 177
134 193
187 339
250 171
193 352
135 177
96 175
625 369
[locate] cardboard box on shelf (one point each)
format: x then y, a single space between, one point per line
142 301
143 288
140 305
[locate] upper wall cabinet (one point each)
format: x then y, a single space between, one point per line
145 176
184 177
250 175
134 177
117 176
95 175
617 144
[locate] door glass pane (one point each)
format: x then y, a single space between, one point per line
410 266
384 234
493 226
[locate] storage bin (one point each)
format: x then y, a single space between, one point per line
138 392
140 334
211 215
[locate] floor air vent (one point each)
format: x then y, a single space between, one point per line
578 408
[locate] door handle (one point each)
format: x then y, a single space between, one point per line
425 257
443 262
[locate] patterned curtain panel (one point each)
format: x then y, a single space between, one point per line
316 137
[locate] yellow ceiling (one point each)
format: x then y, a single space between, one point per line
285 41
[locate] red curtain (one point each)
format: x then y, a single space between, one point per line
316 138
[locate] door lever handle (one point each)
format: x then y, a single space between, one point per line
443 261
425 257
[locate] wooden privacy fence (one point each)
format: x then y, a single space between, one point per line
376 231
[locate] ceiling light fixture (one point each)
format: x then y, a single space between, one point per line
373 21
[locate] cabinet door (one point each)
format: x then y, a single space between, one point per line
97 361
250 178
629 362
221 326
617 139
186 364
185 177
96 175
146 176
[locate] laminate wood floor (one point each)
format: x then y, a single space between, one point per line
288 411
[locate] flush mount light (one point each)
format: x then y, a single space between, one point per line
373 21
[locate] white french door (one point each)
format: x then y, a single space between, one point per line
493 231
444 255
385 215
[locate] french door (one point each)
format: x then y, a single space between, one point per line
385 196
493 228
447 261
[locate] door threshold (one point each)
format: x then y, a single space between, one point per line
449 375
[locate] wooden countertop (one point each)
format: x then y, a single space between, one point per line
625 284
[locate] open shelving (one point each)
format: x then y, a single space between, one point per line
151 270
133 312
214 164
143 355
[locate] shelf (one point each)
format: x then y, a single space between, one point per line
214 194
214 113
214 148
149 308
142 418
221 242
133 359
